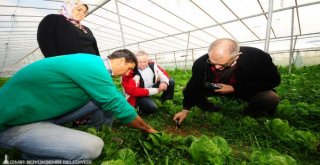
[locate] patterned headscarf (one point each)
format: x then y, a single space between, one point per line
68 6
66 11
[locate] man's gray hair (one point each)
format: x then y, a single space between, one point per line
141 53
233 45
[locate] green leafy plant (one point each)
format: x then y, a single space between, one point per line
249 122
127 156
306 138
280 128
209 151
113 162
215 118
271 157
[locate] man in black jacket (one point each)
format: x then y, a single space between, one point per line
244 72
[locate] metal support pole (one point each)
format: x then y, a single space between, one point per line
192 55
155 58
97 7
175 59
5 57
291 42
120 25
270 10
185 62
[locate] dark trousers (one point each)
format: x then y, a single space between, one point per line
147 106
263 103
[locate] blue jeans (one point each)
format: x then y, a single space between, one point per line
99 117
49 140
45 140
146 104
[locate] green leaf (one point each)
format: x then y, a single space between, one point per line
128 156
204 151
155 138
222 144
113 162
147 145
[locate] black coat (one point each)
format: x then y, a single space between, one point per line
57 36
254 72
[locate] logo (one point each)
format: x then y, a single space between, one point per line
5 159
53 162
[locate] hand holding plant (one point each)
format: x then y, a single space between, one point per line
180 116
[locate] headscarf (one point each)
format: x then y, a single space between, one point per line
66 11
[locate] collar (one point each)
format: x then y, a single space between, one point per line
144 68
107 64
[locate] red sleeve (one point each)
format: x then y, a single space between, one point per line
132 88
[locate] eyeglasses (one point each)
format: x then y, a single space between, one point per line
226 65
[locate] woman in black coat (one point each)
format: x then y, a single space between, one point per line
63 33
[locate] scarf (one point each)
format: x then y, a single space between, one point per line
66 11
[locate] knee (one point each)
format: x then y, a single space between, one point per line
263 104
153 108
266 97
149 109
171 82
272 98
90 149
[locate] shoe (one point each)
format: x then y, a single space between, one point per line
117 140
82 120
209 107
258 113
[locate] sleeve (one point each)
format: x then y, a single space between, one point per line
131 87
46 35
162 74
192 92
264 75
98 84
95 41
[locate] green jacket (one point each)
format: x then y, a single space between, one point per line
57 86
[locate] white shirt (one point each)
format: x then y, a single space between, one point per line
147 76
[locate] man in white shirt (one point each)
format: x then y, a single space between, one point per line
147 80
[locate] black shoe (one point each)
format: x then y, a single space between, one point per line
82 120
257 113
210 107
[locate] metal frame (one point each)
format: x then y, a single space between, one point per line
155 44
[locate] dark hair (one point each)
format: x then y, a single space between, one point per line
85 5
126 54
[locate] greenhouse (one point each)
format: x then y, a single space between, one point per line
175 34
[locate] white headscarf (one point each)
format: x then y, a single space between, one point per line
66 11
68 6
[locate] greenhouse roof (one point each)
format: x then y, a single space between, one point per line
165 26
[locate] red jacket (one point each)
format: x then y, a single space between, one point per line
133 88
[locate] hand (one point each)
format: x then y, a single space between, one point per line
151 130
163 86
180 116
226 89
140 124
